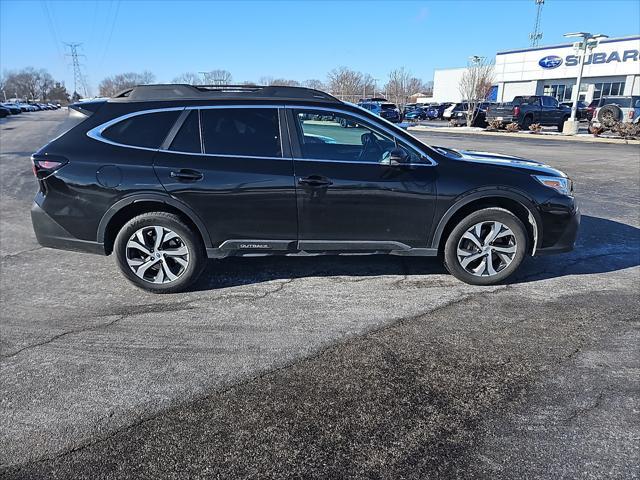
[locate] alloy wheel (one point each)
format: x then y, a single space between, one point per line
486 248
157 254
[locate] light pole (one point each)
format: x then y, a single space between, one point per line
588 42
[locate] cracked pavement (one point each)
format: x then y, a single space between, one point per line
326 367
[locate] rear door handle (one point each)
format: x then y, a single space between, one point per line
315 181
187 175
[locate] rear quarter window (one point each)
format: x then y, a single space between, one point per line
145 130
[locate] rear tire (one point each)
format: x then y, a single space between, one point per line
486 247
158 252
526 123
561 124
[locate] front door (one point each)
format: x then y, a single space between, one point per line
228 164
349 195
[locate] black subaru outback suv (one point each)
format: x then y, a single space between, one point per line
164 176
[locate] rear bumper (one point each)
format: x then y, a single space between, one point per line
49 233
560 228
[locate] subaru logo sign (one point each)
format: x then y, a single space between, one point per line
551 61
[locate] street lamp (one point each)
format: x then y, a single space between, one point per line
588 42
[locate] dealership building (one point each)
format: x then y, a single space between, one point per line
611 68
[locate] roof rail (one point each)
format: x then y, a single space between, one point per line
141 93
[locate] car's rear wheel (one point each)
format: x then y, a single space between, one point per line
158 252
526 123
561 124
486 247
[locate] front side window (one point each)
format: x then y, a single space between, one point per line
145 130
241 131
339 136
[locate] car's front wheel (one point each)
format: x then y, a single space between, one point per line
158 252
486 247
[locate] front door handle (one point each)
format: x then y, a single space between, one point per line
187 175
315 181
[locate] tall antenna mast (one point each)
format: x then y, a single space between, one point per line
536 35
78 78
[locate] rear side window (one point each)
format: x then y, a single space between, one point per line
145 130
241 131
188 137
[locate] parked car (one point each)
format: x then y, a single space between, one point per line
612 109
446 114
436 110
417 113
582 112
386 110
459 114
527 110
165 177
591 109
13 108
4 112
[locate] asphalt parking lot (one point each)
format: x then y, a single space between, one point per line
326 367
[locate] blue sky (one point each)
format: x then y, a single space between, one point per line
286 39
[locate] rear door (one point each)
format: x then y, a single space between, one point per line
349 196
551 111
231 166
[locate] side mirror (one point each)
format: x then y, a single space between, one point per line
398 156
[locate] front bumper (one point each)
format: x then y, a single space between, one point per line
560 224
51 234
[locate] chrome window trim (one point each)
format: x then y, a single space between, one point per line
351 162
96 132
432 163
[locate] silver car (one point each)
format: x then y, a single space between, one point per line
613 109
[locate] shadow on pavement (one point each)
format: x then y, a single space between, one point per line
603 246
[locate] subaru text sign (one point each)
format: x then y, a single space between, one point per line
551 61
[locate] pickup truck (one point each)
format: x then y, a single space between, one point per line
525 111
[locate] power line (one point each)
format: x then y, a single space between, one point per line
52 27
113 24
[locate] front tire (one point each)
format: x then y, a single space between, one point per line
486 247
158 252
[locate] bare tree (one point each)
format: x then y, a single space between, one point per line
116 83
190 78
315 84
475 85
28 83
217 77
345 84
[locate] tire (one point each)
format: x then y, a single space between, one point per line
609 115
513 245
561 124
526 123
135 247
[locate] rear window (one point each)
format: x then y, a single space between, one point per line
624 102
145 130
387 106
526 101
241 131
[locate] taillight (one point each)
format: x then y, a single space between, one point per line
631 112
45 165
516 111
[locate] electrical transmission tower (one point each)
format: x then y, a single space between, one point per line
78 78
536 35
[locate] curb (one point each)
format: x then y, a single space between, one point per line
566 138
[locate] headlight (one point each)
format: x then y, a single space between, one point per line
559 184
